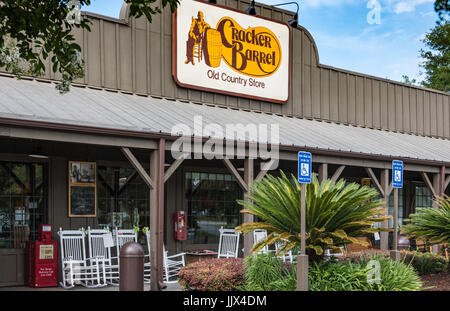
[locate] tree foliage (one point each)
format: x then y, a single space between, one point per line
33 31
336 213
437 58
442 7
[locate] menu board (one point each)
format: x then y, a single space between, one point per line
82 189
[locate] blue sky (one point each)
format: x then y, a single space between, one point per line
347 40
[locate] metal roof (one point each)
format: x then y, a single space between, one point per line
31 100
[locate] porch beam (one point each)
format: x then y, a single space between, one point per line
446 183
428 183
138 167
338 173
77 138
236 175
349 161
374 178
263 172
174 167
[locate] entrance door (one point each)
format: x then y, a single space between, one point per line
23 207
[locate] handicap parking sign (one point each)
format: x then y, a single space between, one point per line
304 167
397 174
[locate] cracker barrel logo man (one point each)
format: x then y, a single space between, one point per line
255 51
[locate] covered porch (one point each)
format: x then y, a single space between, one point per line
131 138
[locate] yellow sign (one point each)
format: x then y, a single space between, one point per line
228 51
366 182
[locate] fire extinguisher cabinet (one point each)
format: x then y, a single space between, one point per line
42 260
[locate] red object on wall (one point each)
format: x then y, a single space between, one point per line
179 219
42 260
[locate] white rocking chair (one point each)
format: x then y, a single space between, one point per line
75 267
228 243
288 257
96 242
124 236
328 254
147 266
258 235
171 265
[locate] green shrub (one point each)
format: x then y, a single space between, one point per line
223 274
423 263
395 275
337 276
426 263
266 272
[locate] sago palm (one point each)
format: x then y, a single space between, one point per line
336 213
430 224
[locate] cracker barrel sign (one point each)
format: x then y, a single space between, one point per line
226 51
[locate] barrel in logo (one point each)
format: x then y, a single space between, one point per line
212 47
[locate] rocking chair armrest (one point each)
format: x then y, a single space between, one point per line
176 255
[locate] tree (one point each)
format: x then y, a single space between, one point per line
437 58
442 7
31 31
406 79
336 213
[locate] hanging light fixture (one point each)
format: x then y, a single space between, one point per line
292 22
251 9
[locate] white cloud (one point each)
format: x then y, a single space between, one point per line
409 5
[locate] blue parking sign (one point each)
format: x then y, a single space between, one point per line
304 167
397 174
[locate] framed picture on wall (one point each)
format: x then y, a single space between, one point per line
82 189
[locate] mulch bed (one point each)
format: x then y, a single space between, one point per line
440 281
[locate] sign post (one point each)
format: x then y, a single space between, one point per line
397 182
304 177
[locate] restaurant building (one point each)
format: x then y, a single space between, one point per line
103 154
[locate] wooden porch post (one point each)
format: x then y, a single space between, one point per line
248 178
323 171
384 241
157 216
437 189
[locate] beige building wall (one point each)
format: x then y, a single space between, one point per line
133 55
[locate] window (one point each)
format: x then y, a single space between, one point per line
423 197
211 204
123 198
23 202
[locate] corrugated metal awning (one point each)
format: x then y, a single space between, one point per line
30 100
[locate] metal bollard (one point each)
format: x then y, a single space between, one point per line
131 276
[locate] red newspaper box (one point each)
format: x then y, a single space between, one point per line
42 260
